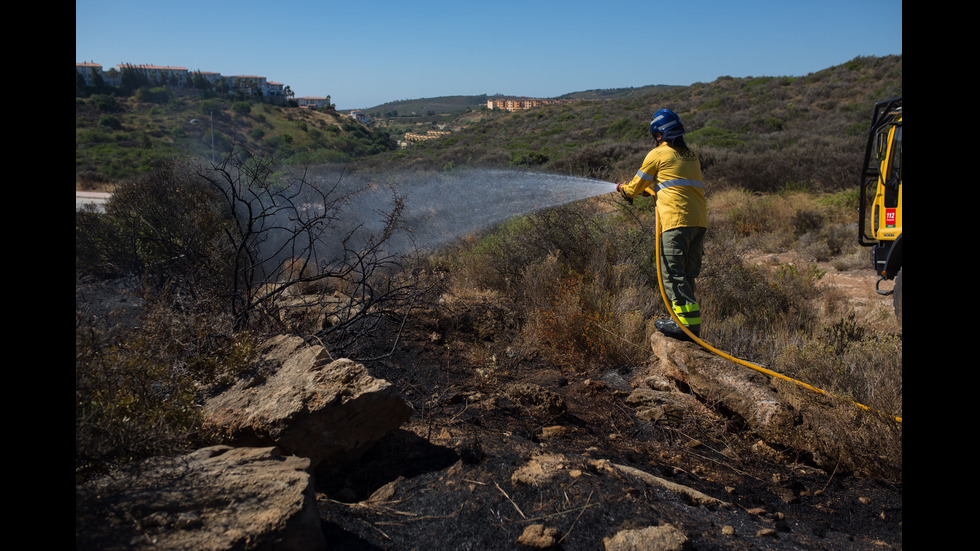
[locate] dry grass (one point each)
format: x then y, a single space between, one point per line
585 292
137 392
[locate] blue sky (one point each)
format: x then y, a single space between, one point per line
366 53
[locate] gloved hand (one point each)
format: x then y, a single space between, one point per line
619 188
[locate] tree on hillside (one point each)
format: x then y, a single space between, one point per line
198 81
132 79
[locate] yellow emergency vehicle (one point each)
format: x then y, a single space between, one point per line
880 217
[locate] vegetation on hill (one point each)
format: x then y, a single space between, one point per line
757 133
427 107
118 138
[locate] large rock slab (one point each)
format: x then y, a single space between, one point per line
214 499
834 432
330 411
740 390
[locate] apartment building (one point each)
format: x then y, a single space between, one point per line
519 104
313 103
177 77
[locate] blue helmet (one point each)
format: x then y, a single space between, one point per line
667 122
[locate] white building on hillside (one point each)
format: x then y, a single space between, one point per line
179 77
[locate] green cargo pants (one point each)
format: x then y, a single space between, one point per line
681 250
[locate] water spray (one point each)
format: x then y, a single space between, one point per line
443 206
467 201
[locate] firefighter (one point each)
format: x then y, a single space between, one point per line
671 172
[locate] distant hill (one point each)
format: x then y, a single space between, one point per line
444 105
762 133
619 93
450 105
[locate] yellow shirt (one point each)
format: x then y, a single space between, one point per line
675 179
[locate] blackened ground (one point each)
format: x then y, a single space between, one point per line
444 481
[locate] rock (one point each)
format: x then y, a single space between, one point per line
657 405
739 389
539 470
214 499
539 536
329 411
552 432
832 431
653 538
535 397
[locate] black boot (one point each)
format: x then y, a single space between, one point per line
672 330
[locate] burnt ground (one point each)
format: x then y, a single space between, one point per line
456 476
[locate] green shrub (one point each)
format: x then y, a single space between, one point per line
714 137
209 106
154 95
104 103
110 121
527 158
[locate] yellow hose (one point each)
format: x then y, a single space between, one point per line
706 346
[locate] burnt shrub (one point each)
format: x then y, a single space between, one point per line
164 226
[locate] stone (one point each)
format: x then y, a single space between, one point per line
215 498
739 389
653 538
539 536
539 470
330 411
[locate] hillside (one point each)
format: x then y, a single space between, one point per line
454 105
120 138
427 107
760 133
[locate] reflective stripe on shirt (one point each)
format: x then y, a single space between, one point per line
672 183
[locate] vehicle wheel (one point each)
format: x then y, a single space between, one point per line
898 297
